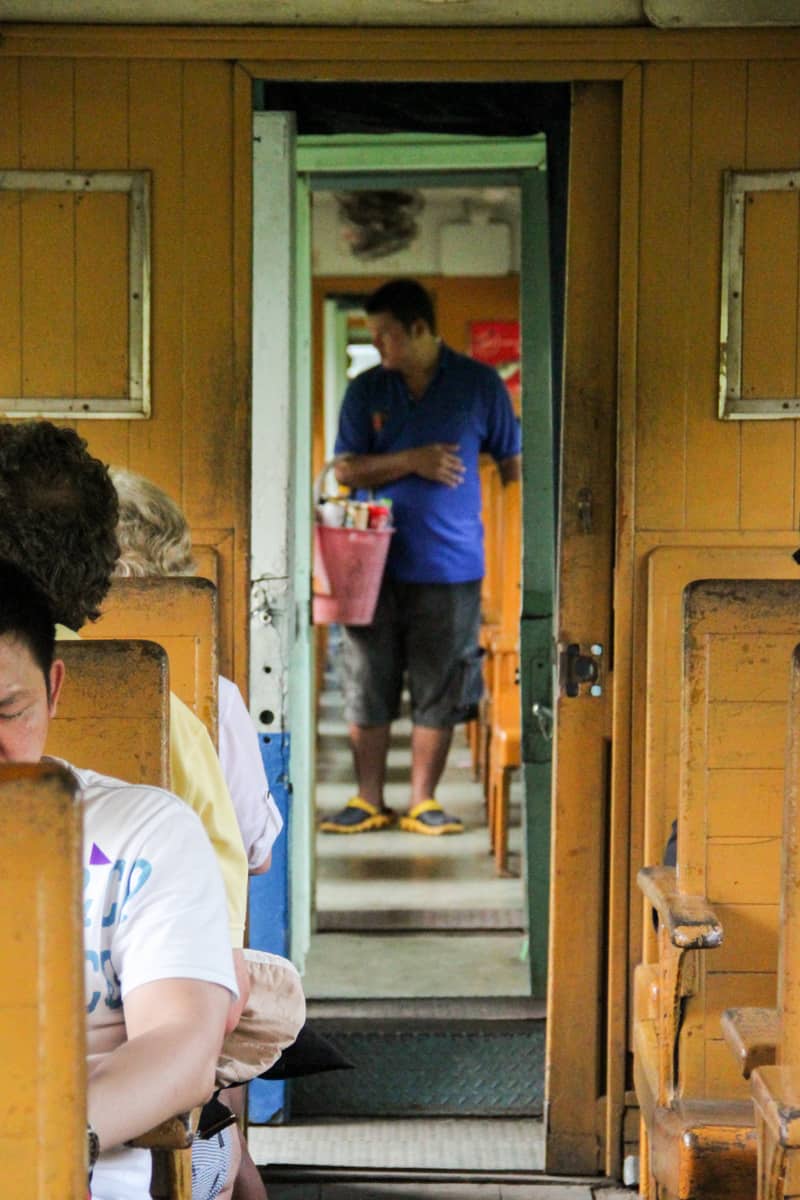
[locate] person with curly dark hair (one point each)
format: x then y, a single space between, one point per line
58 520
58 517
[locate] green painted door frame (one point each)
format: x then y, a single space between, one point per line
363 161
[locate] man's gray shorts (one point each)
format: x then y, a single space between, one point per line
430 631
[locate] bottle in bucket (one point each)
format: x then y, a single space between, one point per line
379 515
357 514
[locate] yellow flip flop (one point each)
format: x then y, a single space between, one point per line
429 817
358 816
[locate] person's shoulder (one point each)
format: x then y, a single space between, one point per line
458 362
144 799
367 383
184 725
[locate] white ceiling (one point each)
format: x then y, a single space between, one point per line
664 13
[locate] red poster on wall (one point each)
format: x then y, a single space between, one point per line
497 343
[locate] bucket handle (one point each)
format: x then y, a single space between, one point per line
321 482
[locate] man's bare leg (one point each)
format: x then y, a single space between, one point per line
370 745
429 750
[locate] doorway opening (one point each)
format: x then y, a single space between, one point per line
484 176
431 915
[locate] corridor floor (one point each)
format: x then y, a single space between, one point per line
429 915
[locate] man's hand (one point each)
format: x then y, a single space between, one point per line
440 462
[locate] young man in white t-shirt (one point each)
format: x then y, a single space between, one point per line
159 970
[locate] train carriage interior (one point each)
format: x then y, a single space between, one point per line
589 992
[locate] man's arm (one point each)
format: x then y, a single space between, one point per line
439 462
510 469
167 1066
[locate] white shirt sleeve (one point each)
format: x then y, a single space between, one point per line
259 820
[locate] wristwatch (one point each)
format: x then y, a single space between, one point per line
92 1146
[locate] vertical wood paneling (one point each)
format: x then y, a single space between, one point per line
769 330
235 599
9 107
209 391
10 226
768 448
712 446
101 114
156 144
10 277
48 313
46 118
580 802
101 313
101 143
664 296
47 113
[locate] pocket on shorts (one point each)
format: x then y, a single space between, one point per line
470 686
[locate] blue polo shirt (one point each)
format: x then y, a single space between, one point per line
438 531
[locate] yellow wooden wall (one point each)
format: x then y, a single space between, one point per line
175 119
698 481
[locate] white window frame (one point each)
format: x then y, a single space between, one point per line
732 405
136 185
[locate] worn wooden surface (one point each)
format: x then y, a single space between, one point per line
738 642
177 121
113 715
43 1132
179 614
575 1030
752 1036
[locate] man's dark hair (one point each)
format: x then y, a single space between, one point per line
58 516
25 615
406 300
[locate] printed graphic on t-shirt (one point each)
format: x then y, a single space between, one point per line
108 888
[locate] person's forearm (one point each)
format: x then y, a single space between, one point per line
149 1079
510 469
373 470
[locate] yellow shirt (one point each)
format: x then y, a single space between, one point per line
196 776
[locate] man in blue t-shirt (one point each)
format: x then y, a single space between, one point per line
414 428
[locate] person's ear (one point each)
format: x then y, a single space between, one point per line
419 327
56 680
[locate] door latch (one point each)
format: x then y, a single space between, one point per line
580 669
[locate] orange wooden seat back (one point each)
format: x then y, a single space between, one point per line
789 946
113 715
43 1131
739 638
510 595
492 517
180 614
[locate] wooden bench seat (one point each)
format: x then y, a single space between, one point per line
738 641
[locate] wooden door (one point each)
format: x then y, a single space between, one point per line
581 749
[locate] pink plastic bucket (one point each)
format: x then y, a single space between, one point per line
348 566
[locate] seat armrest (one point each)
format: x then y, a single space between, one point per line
752 1035
776 1095
689 921
177 1133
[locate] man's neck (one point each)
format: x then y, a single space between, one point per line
419 375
